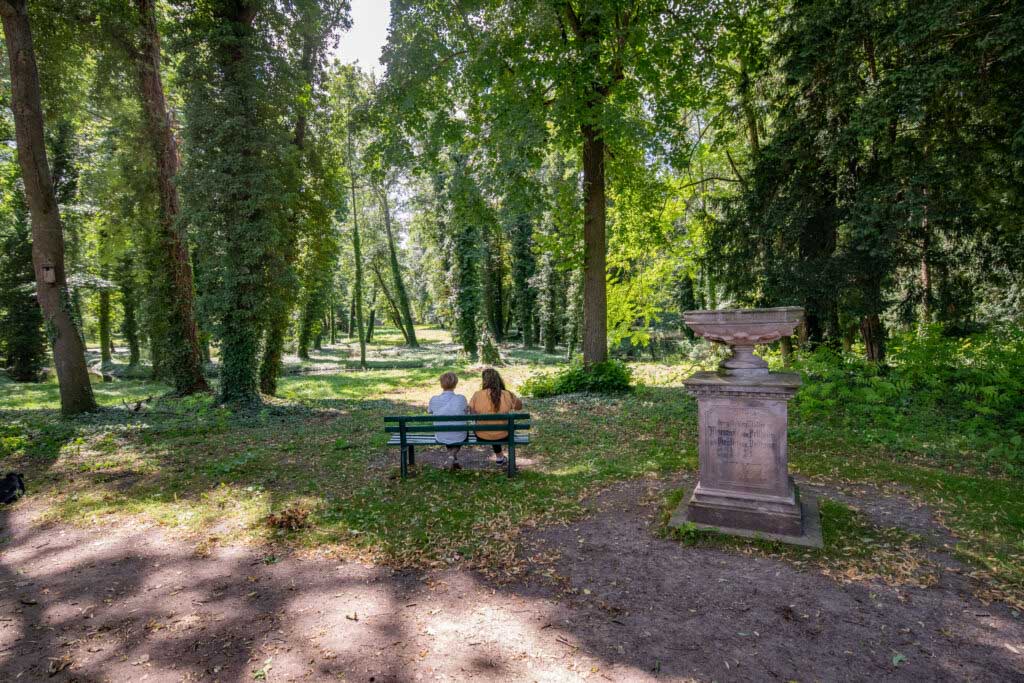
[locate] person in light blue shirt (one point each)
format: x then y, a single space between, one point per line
449 403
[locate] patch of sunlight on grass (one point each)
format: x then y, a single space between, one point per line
191 465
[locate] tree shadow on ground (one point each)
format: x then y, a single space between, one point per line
602 595
122 607
615 600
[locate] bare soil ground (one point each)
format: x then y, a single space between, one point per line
606 598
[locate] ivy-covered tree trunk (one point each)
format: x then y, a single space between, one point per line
186 364
273 352
464 236
574 312
106 360
547 287
357 255
595 295
686 300
494 286
309 324
396 275
47 232
393 308
523 268
241 163
22 344
129 306
273 348
351 316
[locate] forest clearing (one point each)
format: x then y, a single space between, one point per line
546 340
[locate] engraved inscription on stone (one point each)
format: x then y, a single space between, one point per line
744 445
722 437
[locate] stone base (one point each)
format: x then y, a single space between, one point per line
800 525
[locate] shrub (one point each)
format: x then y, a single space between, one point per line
960 395
609 377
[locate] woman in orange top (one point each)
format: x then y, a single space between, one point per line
493 398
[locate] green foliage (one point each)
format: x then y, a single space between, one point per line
966 395
22 343
240 179
875 190
608 377
469 220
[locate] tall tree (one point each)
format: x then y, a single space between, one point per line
357 252
466 229
186 361
313 212
582 67
47 232
240 162
401 294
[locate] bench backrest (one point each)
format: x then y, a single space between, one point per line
513 422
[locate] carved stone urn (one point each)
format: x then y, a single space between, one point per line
744 486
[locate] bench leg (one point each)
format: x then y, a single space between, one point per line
412 454
512 457
403 462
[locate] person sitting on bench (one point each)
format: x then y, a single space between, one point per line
449 403
493 398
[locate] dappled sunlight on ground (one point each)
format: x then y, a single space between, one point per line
147 544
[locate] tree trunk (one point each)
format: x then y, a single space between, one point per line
396 314
130 324
47 232
926 275
351 316
786 347
370 325
409 329
848 336
749 114
357 255
357 252
595 302
873 334
523 267
273 352
187 366
106 360
273 348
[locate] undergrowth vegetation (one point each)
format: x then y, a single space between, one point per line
608 377
961 400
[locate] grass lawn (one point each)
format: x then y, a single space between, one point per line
203 470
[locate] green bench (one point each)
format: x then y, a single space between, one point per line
409 431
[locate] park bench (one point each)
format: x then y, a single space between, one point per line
409 431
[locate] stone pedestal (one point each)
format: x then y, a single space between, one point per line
744 485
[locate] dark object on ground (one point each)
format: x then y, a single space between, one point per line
11 488
421 433
290 519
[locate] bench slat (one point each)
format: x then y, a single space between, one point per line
475 426
452 418
428 440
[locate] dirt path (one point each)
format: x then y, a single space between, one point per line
135 604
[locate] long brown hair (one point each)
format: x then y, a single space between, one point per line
492 381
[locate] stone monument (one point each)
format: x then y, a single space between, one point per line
744 486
